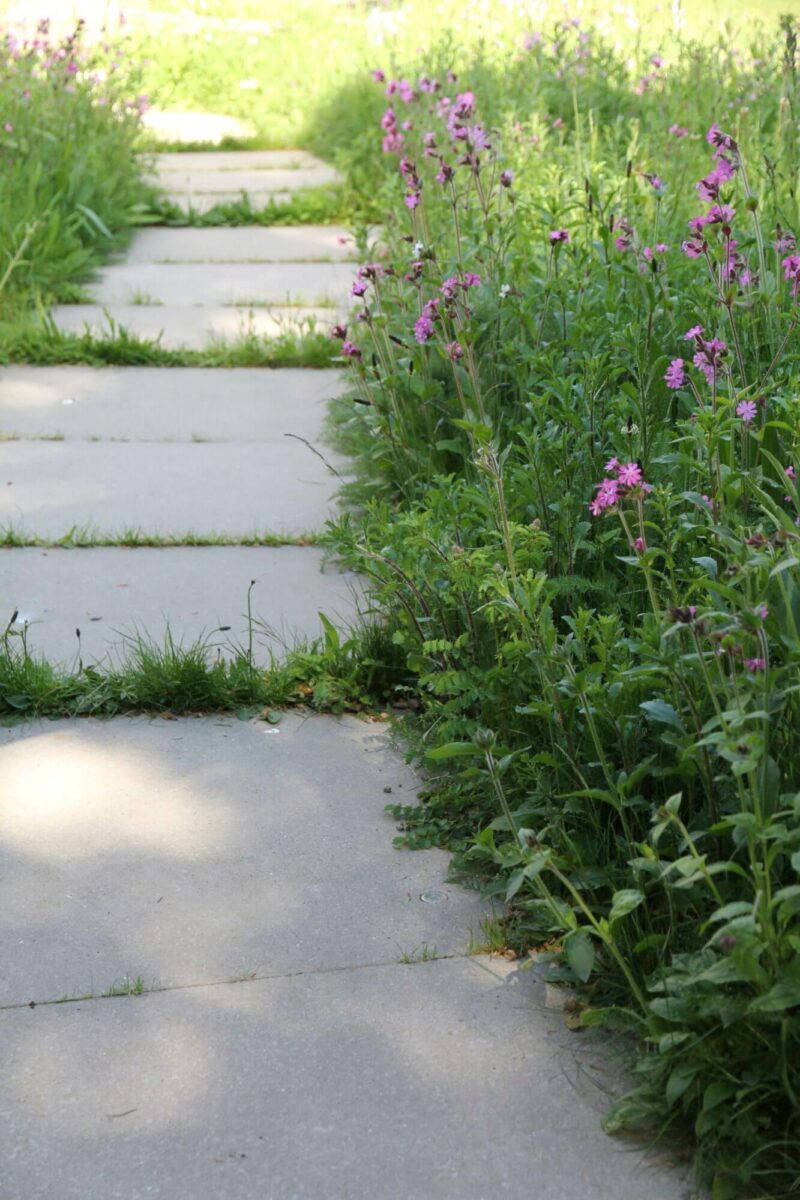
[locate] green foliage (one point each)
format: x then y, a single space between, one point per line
332 674
606 699
71 189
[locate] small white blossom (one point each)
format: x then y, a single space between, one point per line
505 290
418 249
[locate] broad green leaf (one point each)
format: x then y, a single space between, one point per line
624 902
579 953
452 750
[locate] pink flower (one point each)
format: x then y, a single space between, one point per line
471 279
358 288
639 545
449 288
340 332
791 271
454 351
754 665
412 199
746 409
378 76
350 350
630 474
611 465
423 329
675 376
678 131
558 235
763 612
790 471
8 127
506 178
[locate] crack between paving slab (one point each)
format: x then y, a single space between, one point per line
255 978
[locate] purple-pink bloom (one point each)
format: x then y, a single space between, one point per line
791 271
378 76
350 350
746 409
630 474
611 465
506 178
558 235
423 329
412 199
471 279
754 665
675 376
678 131
691 334
358 288
454 350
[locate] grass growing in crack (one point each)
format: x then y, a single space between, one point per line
126 987
422 953
327 205
89 538
334 674
38 341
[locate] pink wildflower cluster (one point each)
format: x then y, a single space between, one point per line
678 131
709 354
622 480
647 81
720 213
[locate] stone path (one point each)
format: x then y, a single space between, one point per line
266 280
221 981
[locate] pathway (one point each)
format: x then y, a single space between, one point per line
221 981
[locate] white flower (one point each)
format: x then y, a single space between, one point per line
418 249
505 290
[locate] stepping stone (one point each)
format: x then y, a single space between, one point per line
208 179
192 851
190 127
239 285
435 1081
221 161
187 326
47 488
154 404
270 243
110 593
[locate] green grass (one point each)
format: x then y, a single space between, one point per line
336 673
35 339
327 205
89 538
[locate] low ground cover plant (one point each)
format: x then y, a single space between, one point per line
575 411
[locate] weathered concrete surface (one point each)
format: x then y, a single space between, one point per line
202 202
199 850
189 162
190 327
200 182
240 284
172 487
152 404
270 243
436 1081
110 593
168 126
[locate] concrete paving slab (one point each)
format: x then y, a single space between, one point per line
203 849
203 181
186 161
164 404
231 487
189 326
111 592
168 126
437 1081
203 202
244 243
238 284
